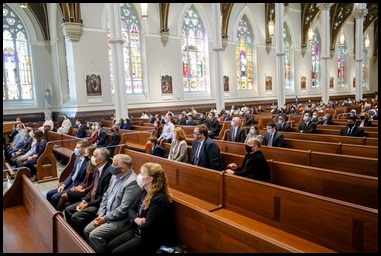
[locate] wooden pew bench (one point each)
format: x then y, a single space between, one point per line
331 223
136 140
31 224
348 187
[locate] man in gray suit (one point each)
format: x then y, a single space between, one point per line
112 218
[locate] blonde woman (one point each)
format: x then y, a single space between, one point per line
253 134
151 215
179 148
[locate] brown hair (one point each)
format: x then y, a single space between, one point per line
179 134
90 167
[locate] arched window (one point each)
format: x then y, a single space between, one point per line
17 78
342 54
193 50
315 60
132 56
244 55
287 57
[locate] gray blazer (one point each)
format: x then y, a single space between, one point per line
125 196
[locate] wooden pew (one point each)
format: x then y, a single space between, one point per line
338 127
200 231
325 137
29 222
136 140
338 225
339 162
348 187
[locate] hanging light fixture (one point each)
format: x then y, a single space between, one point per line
310 35
271 28
342 38
367 41
23 5
144 9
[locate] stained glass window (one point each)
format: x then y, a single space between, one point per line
315 60
341 64
287 57
132 57
244 55
193 50
17 79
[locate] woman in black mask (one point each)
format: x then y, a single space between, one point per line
254 165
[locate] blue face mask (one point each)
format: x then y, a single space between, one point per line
115 170
269 131
76 152
305 118
252 131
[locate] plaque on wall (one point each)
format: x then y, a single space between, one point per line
226 83
93 85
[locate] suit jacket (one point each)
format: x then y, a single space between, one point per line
366 123
102 138
278 140
39 150
209 156
307 128
249 121
240 136
214 126
126 193
284 127
115 139
80 176
356 131
178 151
103 183
254 166
81 132
159 151
27 145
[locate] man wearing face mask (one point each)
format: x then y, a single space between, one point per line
102 136
81 129
254 165
112 218
282 125
167 133
352 130
75 177
115 139
273 138
306 125
364 120
236 132
78 215
205 152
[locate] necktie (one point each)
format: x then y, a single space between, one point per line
197 153
94 189
112 195
77 169
350 131
233 135
270 140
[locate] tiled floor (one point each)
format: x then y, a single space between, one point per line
44 187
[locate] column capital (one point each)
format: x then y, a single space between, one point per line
324 6
72 31
359 13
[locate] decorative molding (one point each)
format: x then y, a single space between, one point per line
164 37
309 13
72 31
339 14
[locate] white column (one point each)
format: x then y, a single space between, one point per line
116 41
325 52
280 55
217 49
360 12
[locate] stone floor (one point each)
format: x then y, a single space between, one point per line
44 187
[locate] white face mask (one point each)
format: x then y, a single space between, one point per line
232 123
139 180
93 160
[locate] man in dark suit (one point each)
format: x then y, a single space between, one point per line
102 136
75 177
282 125
352 130
115 139
213 125
205 152
249 119
78 215
273 138
236 132
363 120
306 125
81 129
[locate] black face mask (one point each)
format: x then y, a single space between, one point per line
248 148
87 158
362 118
350 125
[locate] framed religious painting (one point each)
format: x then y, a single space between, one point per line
269 83
166 84
93 85
303 81
331 82
226 83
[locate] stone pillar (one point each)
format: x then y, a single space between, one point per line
325 52
217 49
116 41
280 55
360 12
